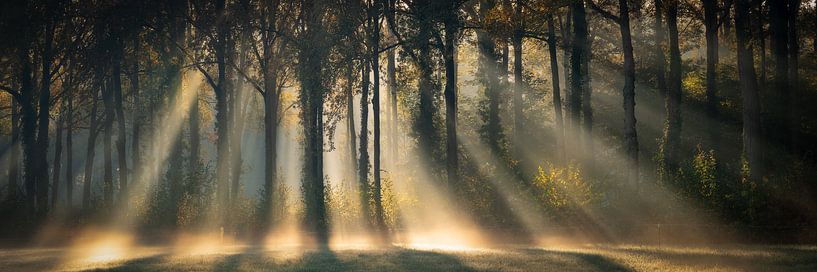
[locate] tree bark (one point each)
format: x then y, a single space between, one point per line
136 156
793 77
121 141
69 148
376 185
778 24
579 78
311 57
492 78
43 116
760 19
391 75
557 97
272 97
195 138
350 118
518 80
108 186
749 91
222 120
711 26
363 160
672 129
450 93
14 154
28 132
55 185
630 132
238 109
90 149
660 61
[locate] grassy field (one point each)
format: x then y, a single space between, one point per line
588 258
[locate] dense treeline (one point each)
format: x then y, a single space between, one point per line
601 117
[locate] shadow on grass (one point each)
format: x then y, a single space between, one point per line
557 260
744 258
318 260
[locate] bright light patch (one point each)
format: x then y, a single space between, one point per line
204 244
101 247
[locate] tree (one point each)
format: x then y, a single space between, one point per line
579 98
312 52
273 72
749 91
711 26
363 153
628 92
90 148
14 154
451 25
518 80
375 9
490 73
792 76
660 62
554 77
672 126
778 25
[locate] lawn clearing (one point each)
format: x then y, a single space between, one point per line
587 258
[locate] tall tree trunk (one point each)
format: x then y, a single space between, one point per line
793 77
492 78
760 18
14 154
121 141
630 133
237 131
566 26
222 116
391 76
90 149
580 79
350 119
660 61
363 160
43 116
749 91
108 186
194 161
310 75
376 185
711 25
272 97
726 16
518 82
449 55
427 108
557 96
136 155
69 148
672 129
28 133
55 185
778 24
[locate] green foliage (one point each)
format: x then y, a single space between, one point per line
392 201
704 167
562 190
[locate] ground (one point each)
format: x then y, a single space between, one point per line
584 258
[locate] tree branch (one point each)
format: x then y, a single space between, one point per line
603 13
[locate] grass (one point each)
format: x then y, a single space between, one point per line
589 258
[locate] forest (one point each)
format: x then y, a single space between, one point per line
408 135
